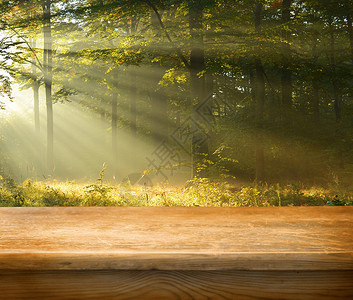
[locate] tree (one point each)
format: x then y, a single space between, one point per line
35 87
48 66
286 75
276 74
260 99
197 79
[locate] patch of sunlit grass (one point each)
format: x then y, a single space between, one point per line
198 192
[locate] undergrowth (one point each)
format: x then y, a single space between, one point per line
198 192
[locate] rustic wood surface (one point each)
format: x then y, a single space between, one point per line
178 285
176 253
125 238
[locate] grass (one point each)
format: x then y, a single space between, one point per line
199 192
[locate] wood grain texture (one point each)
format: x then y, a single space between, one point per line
144 238
188 285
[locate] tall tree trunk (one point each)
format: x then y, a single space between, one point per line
159 122
159 115
35 87
115 121
133 117
316 101
133 112
133 108
286 76
315 85
336 93
197 65
36 106
349 19
350 29
48 62
260 102
337 96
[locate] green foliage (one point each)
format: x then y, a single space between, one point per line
218 164
96 42
200 192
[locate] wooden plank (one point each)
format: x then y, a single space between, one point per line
144 238
186 285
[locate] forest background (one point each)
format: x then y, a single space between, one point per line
219 92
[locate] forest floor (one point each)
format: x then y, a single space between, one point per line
199 192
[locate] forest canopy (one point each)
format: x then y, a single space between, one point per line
177 89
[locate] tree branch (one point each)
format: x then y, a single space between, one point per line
180 54
28 45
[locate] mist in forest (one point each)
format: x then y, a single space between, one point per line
245 91
82 144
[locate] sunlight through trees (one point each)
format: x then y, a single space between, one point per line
226 90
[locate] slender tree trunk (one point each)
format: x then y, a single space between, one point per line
349 19
115 122
316 101
36 107
133 112
48 82
260 102
197 65
286 76
315 86
159 122
337 96
336 93
35 87
159 110
133 117
252 84
133 108
350 30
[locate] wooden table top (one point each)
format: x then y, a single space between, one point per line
165 238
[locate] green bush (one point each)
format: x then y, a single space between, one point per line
198 192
